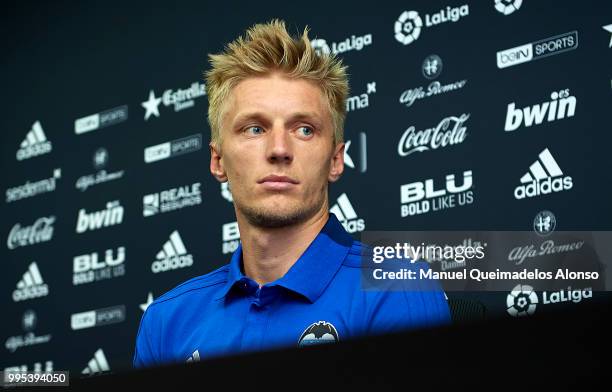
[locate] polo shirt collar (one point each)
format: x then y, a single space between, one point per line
313 271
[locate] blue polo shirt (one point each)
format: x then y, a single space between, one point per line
320 299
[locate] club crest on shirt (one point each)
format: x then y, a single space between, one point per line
318 333
195 357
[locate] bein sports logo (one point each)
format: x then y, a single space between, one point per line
537 50
562 105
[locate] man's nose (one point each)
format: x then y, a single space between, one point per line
279 148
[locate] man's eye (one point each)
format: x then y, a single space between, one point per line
306 131
255 130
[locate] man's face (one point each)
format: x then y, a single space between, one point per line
277 150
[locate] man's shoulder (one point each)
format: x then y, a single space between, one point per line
200 285
355 254
360 255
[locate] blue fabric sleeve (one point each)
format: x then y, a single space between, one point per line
408 305
144 351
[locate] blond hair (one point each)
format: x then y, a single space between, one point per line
266 48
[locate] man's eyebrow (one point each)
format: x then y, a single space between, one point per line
263 117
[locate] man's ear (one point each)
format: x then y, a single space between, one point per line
337 163
216 166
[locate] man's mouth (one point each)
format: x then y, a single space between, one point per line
278 182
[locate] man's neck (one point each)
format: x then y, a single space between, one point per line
268 253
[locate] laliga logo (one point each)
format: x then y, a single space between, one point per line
353 43
320 46
521 301
507 7
409 24
408 27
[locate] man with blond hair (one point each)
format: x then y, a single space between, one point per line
276 113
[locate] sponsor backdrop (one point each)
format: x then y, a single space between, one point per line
489 115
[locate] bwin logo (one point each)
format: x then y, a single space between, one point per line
561 106
344 211
173 255
112 215
544 177
521 301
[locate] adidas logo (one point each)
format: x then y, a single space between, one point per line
34 144
31 285
112 215
344 211
97 364
173 255
562 105
195 357
544 177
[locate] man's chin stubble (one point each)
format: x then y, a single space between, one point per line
275 219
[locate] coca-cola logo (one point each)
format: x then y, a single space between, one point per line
40 231
448 132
